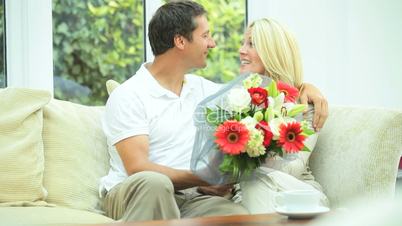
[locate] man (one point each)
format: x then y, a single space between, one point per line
149 127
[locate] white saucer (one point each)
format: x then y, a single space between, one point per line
302 213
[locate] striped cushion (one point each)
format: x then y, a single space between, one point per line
357 154
21 146
76 155
111 85
49 216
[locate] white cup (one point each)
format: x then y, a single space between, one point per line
298 200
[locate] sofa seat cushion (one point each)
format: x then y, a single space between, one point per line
76 155
21 146
49 215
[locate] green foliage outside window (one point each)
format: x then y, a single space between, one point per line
227 21
97 40
93 41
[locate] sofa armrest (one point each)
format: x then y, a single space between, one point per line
357 153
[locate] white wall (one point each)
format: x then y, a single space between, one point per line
351 49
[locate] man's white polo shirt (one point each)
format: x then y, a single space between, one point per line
141 106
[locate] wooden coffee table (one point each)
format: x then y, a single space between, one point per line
239 220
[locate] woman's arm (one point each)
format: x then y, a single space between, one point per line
311 94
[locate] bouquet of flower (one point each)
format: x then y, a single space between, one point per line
249 119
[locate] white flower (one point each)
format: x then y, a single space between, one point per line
250 122
275 123
254 80
277 104
238 100
289 106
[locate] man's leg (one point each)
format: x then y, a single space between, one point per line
142 196
206 205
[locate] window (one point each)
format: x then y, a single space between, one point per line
97 40
93 41
2 47
227 19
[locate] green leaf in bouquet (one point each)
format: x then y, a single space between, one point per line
209 110
269 114
307 130
280 152
230 164
236 172
258 116
305 148
211 116
251 164
272 89
238 166
227 164
217 117
273 148
296 109
222 115
237 116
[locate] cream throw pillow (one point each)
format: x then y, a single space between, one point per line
111 85
21 146
76 155
357 153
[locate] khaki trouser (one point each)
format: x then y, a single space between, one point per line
151 196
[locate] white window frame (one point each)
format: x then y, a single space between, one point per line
150 7
29 37
29 44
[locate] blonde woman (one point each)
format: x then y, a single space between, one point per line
270 49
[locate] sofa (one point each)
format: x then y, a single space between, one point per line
53 153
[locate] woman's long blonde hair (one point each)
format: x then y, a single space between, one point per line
278 51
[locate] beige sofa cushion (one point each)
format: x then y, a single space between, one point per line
49 215
21 146
76 155
357 154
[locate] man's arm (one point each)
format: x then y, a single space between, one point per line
133 152
310 94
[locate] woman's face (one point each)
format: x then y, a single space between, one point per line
249 59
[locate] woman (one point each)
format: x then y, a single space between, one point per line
269 49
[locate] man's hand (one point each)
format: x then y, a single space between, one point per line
216 190
310 94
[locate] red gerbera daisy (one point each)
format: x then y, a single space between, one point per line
232 137
291 93
263 125
258 96
290 137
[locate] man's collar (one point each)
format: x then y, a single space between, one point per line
156 90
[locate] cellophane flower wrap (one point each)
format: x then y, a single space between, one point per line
246 121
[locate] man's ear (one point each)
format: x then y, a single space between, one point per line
179 41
